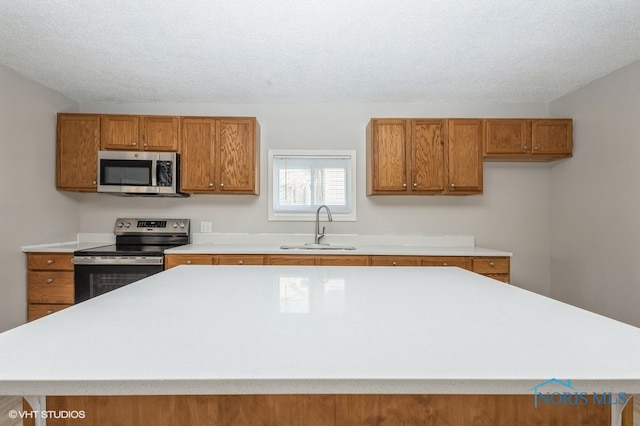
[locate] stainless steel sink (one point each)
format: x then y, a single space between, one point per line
311 246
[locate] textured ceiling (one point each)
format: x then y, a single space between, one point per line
264 51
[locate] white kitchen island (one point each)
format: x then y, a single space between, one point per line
323 335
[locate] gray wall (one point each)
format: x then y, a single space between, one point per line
31 210
595 199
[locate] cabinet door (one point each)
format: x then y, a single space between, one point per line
387 156
427 156
507 137
238 156
198 154
158 133
77 145
552 137
464 156
120 132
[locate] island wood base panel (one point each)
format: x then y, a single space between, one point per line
324 410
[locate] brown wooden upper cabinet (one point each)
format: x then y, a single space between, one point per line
424 156
139 133
77 145
528 139
219 155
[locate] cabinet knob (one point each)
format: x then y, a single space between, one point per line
188 262
95 182
535 148
49 261
445 264
492 264
395 263
49 280
415 184
404 185
49 312
526 147
210 184
222 185
453 185
134 143
240 262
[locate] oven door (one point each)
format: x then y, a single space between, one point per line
96 275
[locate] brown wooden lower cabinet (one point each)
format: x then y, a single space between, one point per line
495 267
329 410
49 283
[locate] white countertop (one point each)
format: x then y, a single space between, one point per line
224 243
418 245
289 329
386 249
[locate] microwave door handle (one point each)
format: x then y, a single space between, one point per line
154 173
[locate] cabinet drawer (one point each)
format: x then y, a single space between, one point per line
459 261
490 265
343 260
36 311
193 259
50 287
291 260
50 261
240 260
395 261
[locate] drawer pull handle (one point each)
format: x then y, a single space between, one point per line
492 264
49 261
395 263
49 280
445 264
188 262
240 262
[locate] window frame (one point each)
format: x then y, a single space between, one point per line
311 216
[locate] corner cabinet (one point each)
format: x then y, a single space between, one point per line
139 133
219 155
424 156
77 145
528 139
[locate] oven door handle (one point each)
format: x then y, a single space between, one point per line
118 260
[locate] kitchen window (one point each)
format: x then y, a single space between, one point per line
301 181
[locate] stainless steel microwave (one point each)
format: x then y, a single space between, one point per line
139 173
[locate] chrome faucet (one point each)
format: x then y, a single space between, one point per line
320 235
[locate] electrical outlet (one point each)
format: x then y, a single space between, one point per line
205 226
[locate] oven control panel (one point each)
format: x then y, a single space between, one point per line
151 226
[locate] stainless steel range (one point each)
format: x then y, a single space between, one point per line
137 253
